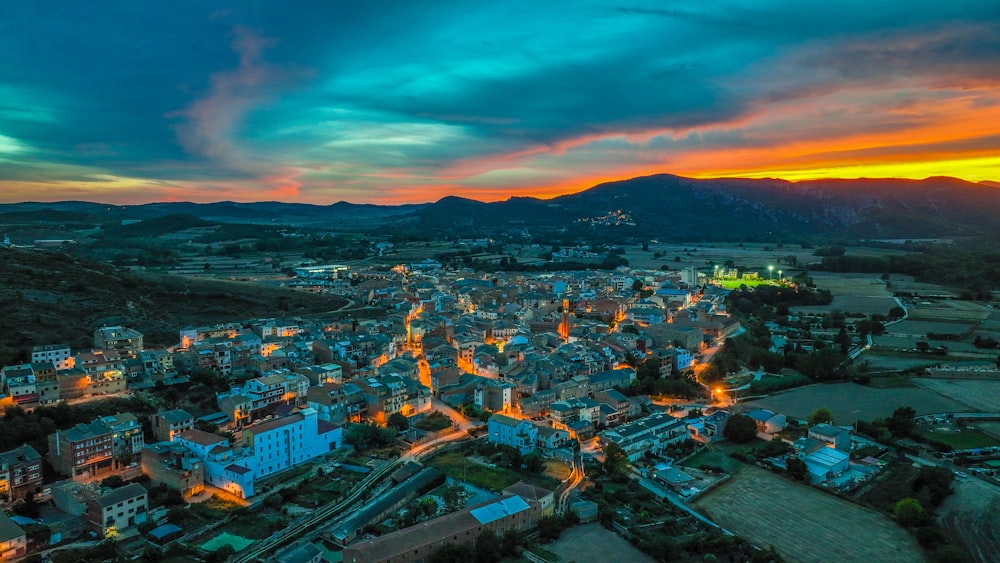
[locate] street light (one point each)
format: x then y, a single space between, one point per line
770 272
779 275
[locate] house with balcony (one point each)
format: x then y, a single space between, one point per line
115 511
521 435
83 452
126 341
650 435
126 438
338 403
20 473
168 424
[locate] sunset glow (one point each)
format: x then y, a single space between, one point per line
401 104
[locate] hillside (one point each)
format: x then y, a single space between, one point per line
47 297
661 206
673 207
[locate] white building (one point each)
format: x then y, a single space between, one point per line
262 450
58 354
521 435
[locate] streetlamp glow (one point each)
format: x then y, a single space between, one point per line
770 272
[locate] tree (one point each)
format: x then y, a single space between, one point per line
740 428
616 460
510 543
796 469
902 422
398 421
821 415
533 462
551 527
454 498
488 548
909 512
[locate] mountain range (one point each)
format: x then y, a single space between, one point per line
659 206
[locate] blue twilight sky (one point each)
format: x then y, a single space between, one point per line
408 101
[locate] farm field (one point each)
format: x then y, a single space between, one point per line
972 515
805 524
980 396
852 304
959 439
593 542
849 401
921 328
956 311
885 359
907 284
851 285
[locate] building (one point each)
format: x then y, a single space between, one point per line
767 421
13 540
20 473
117 510
168 424
417 543
126 341
521 435
835 437
175 466
824 464
711 428
288 441
83 452
261 450
18 381
551 439
126 439
338 403
46 382
59 354
495 395
652 434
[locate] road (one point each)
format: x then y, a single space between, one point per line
576 476
322 515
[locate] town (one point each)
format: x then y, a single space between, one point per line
480 416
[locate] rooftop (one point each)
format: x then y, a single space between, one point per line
121 494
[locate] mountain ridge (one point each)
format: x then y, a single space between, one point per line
663 205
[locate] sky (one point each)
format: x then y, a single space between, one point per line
409 101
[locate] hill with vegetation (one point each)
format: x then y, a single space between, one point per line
49 297
677 208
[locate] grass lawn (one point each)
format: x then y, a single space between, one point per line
225 538
215 508
258 525
967 439
454 465
735 284
556 469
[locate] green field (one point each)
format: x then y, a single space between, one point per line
735 284
960 440
456 466
224 539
